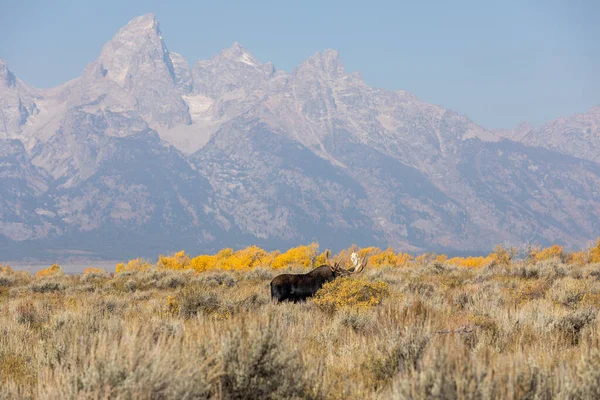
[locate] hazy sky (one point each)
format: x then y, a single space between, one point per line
500 63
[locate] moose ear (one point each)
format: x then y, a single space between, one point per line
332 267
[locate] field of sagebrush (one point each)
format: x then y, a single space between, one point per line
428 329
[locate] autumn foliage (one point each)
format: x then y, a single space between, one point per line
589 256
308 256
302 255
5 269
471 262
135 265
54 270
555 252
350 293
93 271
177 261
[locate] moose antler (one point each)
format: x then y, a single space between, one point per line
335 267
356 269
354 258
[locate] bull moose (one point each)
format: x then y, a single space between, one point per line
298 287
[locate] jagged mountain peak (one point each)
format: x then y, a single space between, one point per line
238 73
145 19
327 62
17 102
594 111
575 135
6 76
136 72
146 23
237 53
331 54
278 159
524 126
137 44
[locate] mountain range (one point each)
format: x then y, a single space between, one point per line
145 154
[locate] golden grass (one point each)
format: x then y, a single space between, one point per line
424 330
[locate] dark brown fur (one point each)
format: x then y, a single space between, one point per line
298 287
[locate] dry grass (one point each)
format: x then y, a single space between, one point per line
436 330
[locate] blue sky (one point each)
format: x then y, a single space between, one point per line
500 63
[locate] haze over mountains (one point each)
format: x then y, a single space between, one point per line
145 154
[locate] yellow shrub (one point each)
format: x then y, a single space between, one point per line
595 253
246 258
137 265
221 259
203 262
323 258
224 254
227 259
172 305
90 270
502 255
403 259
441 258
54 270
470 262
350 292
6 269
177 261
269 259
302 255
589 256
342 257
384 258
550 253
579 258
368 251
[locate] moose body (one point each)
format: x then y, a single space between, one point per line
298 287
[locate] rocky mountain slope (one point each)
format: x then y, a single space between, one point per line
577 135
145 154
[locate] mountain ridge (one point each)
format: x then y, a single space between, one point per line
231 151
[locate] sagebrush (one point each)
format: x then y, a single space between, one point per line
408 328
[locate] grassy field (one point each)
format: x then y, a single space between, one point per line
430 329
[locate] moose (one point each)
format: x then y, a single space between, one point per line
298 287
